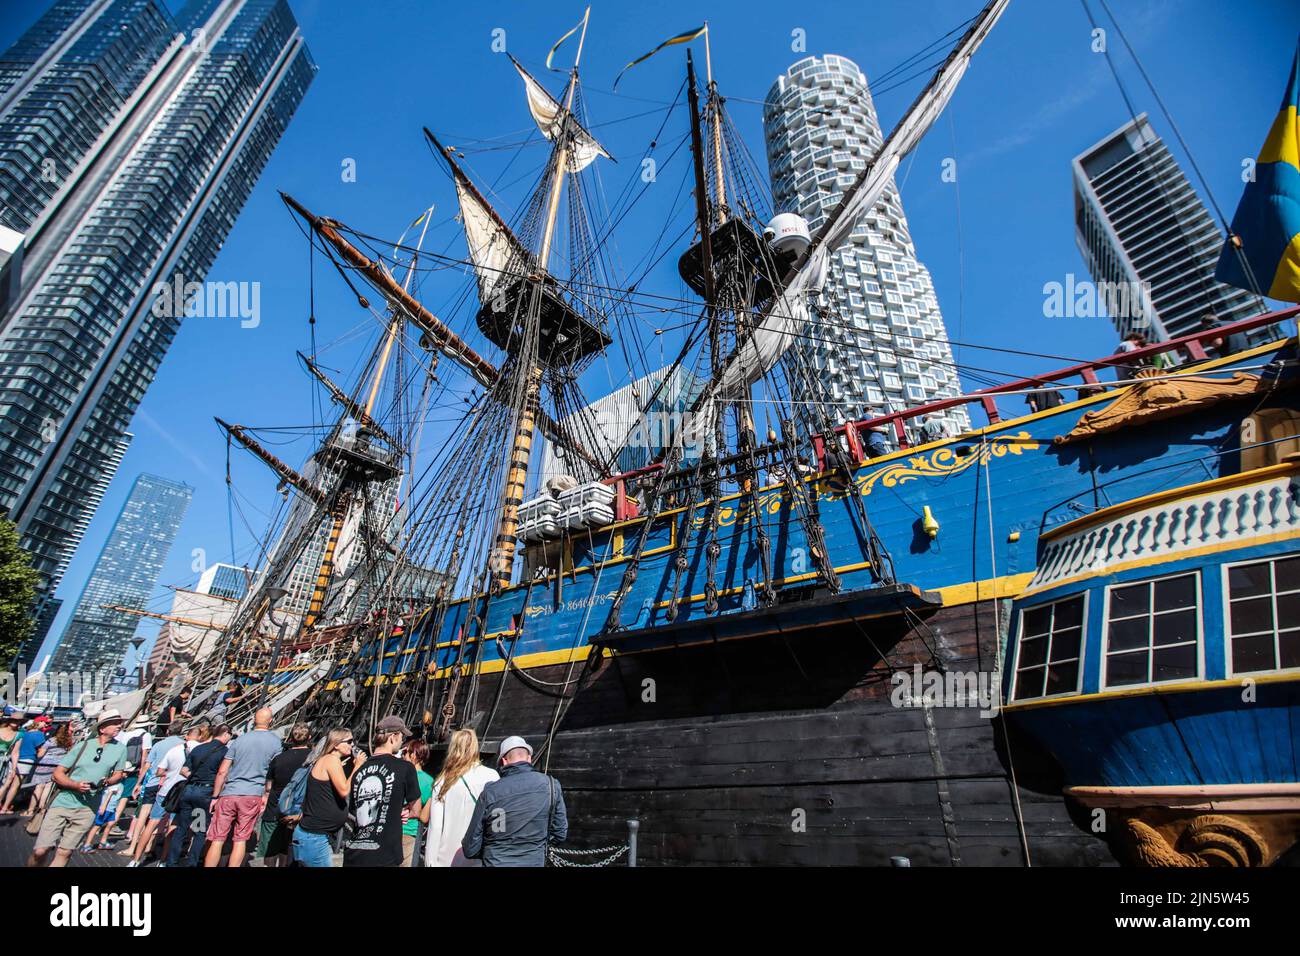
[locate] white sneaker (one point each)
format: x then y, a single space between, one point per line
133 863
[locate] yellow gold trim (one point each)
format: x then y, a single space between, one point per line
1181 687
1006 586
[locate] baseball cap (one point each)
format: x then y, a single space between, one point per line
393 724
510 743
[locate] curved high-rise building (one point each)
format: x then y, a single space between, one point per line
882 344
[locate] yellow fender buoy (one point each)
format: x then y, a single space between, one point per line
929 522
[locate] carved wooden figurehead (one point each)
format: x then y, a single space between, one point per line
1162 397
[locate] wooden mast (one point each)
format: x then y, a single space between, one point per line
505 545
716 130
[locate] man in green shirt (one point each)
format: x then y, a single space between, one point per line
80 777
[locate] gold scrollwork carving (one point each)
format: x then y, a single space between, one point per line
941 463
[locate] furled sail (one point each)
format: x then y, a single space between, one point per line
778 329
549 115
490 244
494 250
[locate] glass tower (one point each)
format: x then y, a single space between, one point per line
129 141
125 574
1139 223
884 346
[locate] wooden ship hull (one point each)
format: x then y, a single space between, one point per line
785 647
806 731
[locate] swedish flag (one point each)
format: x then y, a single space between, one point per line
1263 252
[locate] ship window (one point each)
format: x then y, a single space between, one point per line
1051 636
1153 631
1264 615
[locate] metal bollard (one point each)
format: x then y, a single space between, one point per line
899 861
632 827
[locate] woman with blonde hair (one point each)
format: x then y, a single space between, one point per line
455 793
325 804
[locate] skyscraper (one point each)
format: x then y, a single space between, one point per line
884 345
630 426
125 574
224 580
47 608
1139 224
129 141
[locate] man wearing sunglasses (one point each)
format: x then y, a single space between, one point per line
81 777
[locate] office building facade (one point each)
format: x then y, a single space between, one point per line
124 575
882 344
129 141
47 607
1145 234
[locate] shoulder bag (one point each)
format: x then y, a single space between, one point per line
34 824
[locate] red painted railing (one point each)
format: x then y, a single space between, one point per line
1193 345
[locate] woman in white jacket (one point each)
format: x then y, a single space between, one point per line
455 792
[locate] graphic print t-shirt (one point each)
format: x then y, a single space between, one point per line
380 789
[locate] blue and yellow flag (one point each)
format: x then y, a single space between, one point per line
1263 252
686 37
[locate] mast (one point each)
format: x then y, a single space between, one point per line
444 338
705 223
506 543
716 124
344 399
395 321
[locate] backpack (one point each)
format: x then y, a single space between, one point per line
293 795
134 750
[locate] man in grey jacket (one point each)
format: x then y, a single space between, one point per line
517 816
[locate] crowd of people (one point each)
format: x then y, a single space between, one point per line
191 792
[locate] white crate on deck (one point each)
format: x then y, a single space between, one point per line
539 518
587 505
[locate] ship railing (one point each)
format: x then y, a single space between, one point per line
1082 376
1102 496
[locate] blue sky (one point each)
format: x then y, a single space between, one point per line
1035 96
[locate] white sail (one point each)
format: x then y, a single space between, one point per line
549 115
490 244
784 321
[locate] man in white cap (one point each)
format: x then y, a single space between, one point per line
518 816
80 777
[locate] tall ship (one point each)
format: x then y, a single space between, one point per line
767 634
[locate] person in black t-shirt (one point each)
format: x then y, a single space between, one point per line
175 710
274 834
385 791
200 773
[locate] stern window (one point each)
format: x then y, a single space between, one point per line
1047 662
1153 631
1264 615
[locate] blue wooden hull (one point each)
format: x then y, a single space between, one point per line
1206 737
993 493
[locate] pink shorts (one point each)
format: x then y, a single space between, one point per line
234 813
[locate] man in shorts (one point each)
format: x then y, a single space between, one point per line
80 777
239 792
